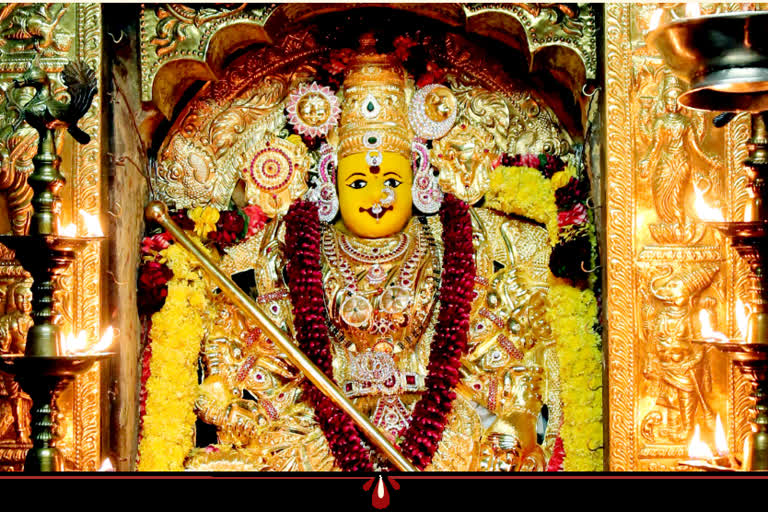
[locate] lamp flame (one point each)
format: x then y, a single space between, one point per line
698 449
92 224
692 10
105 341
742 317
721 443
68 230
75 344
106 466
703 210
707 332
655 19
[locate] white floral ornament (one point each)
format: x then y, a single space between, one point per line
324 193
313 110
425 191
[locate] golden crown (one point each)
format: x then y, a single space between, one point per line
374 115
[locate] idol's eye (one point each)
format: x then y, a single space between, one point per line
392 182
357 184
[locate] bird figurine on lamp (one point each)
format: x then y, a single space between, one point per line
46 114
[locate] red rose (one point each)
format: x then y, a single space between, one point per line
256 219
152 286
527 160
180 217
155 243
229 229
576 215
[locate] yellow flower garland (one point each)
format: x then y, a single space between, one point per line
177 331
524 191
571 315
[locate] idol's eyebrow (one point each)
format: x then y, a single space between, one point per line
355 174
392 173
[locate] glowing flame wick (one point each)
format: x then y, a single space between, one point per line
699 449
79 344
106 466
92 225
742 318
68 230
105 341
707 332
703 210
721 443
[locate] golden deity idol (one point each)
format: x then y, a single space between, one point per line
436 332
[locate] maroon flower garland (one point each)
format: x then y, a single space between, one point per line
421 438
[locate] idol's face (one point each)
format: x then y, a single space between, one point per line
375 201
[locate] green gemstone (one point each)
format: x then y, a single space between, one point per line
371 140
370 106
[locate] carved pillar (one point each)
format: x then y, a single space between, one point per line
666 271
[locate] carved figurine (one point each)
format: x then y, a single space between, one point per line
15 404
671 164
675 363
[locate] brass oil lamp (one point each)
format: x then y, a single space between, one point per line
724 57
44 370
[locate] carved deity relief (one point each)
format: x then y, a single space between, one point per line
30 27
673 161
676 368
15 321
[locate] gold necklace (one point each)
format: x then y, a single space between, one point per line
379 253
356 310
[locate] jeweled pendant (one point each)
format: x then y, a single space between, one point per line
356 310
395 299
375 274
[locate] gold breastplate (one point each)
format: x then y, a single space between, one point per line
381 297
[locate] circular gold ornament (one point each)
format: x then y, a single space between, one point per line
356 310
313 110
395 299
433 111
276 175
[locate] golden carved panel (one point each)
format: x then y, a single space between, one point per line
182 43
55 34
667 273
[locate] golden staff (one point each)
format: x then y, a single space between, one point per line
158 212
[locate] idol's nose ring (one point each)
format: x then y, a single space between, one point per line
387 196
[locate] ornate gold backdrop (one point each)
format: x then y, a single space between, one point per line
664 269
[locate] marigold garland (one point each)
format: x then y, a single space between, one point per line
171 388
524 191
572 313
